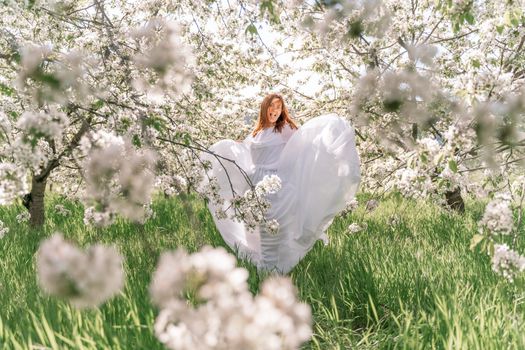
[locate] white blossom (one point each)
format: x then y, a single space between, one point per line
268 185
96 218
12 182
86 279
355 227
166 56
225 315
498 217
62 211
38 124
23 217
507 262
119 177
3 229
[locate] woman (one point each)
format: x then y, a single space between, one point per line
319 170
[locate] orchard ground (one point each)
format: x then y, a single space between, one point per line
407 281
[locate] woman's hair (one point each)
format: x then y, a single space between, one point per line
263 121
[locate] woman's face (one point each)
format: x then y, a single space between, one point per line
275 109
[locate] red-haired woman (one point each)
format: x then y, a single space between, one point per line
318 166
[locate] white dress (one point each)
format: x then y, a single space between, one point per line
318 166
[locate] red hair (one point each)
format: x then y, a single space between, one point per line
263 121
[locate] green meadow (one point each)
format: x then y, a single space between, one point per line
408 281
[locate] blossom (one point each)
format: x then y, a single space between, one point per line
95 218
3 229
498 217
352 205
273 226
224 314
166 56
38 124
371 204
507 262
355 227
268 185
86 279
23 216
61 210
12 182
119 178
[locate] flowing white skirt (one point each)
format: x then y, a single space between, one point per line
319 170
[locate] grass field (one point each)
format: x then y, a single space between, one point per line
411 284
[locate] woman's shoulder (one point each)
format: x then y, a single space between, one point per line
290 127
288 131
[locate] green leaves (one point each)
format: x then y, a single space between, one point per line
252 29
355 29
273 14
6 90
453 165
468 17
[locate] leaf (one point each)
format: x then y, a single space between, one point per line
97 105
49 79
453 165
456 27
6 90
469 18
135 140
490 248
252 29
476 239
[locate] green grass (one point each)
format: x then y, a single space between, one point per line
413 285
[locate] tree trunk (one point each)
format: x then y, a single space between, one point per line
36 202
455 201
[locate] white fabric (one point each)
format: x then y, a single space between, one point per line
319 168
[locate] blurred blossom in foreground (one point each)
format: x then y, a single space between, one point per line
119 178
206 304
85 279
3 229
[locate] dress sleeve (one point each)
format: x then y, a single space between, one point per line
287 132
248 140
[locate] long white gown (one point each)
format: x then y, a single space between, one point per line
318 166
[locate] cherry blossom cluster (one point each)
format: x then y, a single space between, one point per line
350 207
23 217
119 178
205 303
171 185
164 57
353 18
62 211
3 229
507 262
498 216
84 278
496 224
50 75
12 182
252 207
355 227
